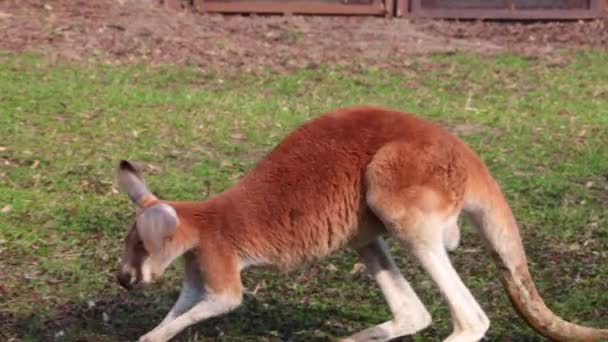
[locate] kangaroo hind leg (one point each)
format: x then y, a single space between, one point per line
417 194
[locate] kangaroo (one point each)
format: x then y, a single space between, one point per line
349 178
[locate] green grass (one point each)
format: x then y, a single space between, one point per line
542 129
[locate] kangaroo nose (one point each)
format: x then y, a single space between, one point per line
124 279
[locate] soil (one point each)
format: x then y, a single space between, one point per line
136 31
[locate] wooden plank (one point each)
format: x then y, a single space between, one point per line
349 2
593 11
476 4
402 8
551 4
389 6
296 7
507 14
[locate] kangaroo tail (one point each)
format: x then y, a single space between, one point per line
486 206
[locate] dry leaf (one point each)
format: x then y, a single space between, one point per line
238 136
153 168
258 287
357 268
7 208
2 148
35 164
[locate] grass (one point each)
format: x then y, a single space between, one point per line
542 129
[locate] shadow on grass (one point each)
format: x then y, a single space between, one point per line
126 317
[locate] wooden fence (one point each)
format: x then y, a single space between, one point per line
464 9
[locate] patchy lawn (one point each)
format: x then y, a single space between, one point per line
541 127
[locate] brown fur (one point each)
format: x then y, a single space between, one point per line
344 179
305 199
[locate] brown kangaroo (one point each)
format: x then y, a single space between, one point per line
346 178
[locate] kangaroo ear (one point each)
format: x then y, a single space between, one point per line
131 181
155 224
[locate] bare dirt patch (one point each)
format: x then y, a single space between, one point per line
530 35
140 31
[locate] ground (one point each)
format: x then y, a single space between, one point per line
135 31
201 98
